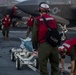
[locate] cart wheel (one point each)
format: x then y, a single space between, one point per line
12 56
35 63
18 63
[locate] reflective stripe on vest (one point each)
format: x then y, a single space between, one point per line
41 19
67 45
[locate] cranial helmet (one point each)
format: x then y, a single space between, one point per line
62 49
43 6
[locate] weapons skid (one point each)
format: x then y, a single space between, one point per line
23 56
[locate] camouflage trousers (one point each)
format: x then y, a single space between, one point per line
45 52
73 57
75 68
5 32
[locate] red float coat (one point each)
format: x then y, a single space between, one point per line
42 29
69 44
30 21
14 10
7 21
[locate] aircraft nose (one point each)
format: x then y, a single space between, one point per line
29 7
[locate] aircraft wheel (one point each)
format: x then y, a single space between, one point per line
18 64
12 56
35 63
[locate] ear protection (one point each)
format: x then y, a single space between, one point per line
65 50
43 6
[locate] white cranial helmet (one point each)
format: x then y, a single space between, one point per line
43 6
62 49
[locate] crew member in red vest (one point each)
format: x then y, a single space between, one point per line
14 10
6 23
69 48
14 14
30 25
45 50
